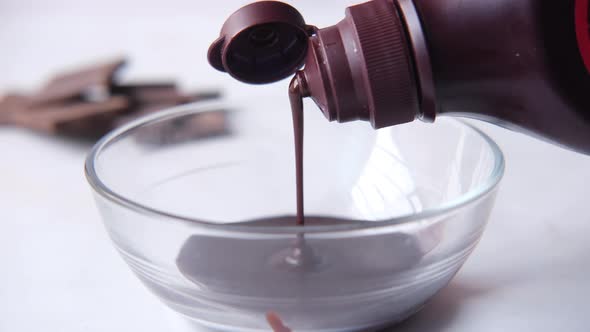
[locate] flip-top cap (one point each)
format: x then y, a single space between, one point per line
263 42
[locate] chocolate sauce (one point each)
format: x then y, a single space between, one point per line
276 323
274 267
296 99
310 280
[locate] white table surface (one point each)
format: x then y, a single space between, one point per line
531 271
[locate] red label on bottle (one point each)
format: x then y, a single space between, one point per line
583 30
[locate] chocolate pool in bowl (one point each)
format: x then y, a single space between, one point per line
286 268
207 222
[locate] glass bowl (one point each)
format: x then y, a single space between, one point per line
200 200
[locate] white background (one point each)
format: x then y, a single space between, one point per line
59 272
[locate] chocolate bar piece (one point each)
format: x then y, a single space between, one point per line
77 84
88 103
10 104
51 118
191 127
164 93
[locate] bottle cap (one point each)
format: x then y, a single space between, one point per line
263 42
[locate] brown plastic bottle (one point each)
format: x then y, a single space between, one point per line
523 64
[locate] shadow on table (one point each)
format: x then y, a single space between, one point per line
443 309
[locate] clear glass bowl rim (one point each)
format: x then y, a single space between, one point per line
114 136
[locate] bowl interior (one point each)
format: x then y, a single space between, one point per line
230 163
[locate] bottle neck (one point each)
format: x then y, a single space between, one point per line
373 65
